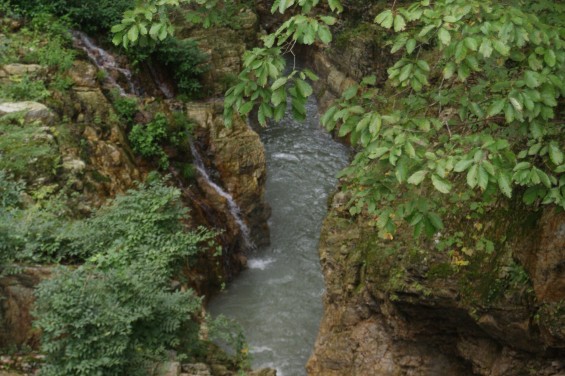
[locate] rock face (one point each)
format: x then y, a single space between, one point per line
17 294
225 46
237 156
387 313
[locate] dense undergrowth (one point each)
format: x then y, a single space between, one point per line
117 302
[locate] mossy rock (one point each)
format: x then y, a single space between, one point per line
28 150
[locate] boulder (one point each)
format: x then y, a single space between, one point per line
32 111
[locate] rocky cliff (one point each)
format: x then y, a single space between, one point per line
407 309
403 307
84 152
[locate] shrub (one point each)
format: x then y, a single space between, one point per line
145 139
90 15
186 62
25 88
117 313
125 107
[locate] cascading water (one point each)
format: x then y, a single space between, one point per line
278 300
234 208
105 62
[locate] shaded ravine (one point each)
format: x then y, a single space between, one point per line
278 300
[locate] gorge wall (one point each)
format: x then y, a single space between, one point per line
89 154
404 308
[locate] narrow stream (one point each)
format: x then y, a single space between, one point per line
278 300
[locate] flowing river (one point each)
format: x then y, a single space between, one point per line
278 300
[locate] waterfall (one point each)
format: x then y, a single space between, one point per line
105 62
234 208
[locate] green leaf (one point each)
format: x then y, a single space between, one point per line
328 20
504 184
350 92
555 153
245 108
501 47
449 70
441 184
324 34
335 6
385 19
399 23
482 178
444 36
133 33
378 152
463 165
549 58
486 48
423 65
435 220
410 45
532 79
376 123
472 176
417 177
278 83
496 107
471 43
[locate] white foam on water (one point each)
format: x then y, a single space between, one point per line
261 264
286 157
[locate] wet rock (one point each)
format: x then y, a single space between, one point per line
238 156
17 292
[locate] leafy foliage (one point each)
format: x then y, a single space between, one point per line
116 313
185 61
475 110
89 15
146 139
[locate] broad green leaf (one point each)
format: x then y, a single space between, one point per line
549 58
279 83
532 79
378 152
385 19
335 6
423 65
444 36
472 176
417 177
133 33
555 153
435 220
504 184
463 165
399 23
324 34
441 184
496 107
245 108
482 178
486 48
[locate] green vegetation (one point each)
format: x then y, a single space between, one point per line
90 15
48 44
28 149
116 313
186 62
147 139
